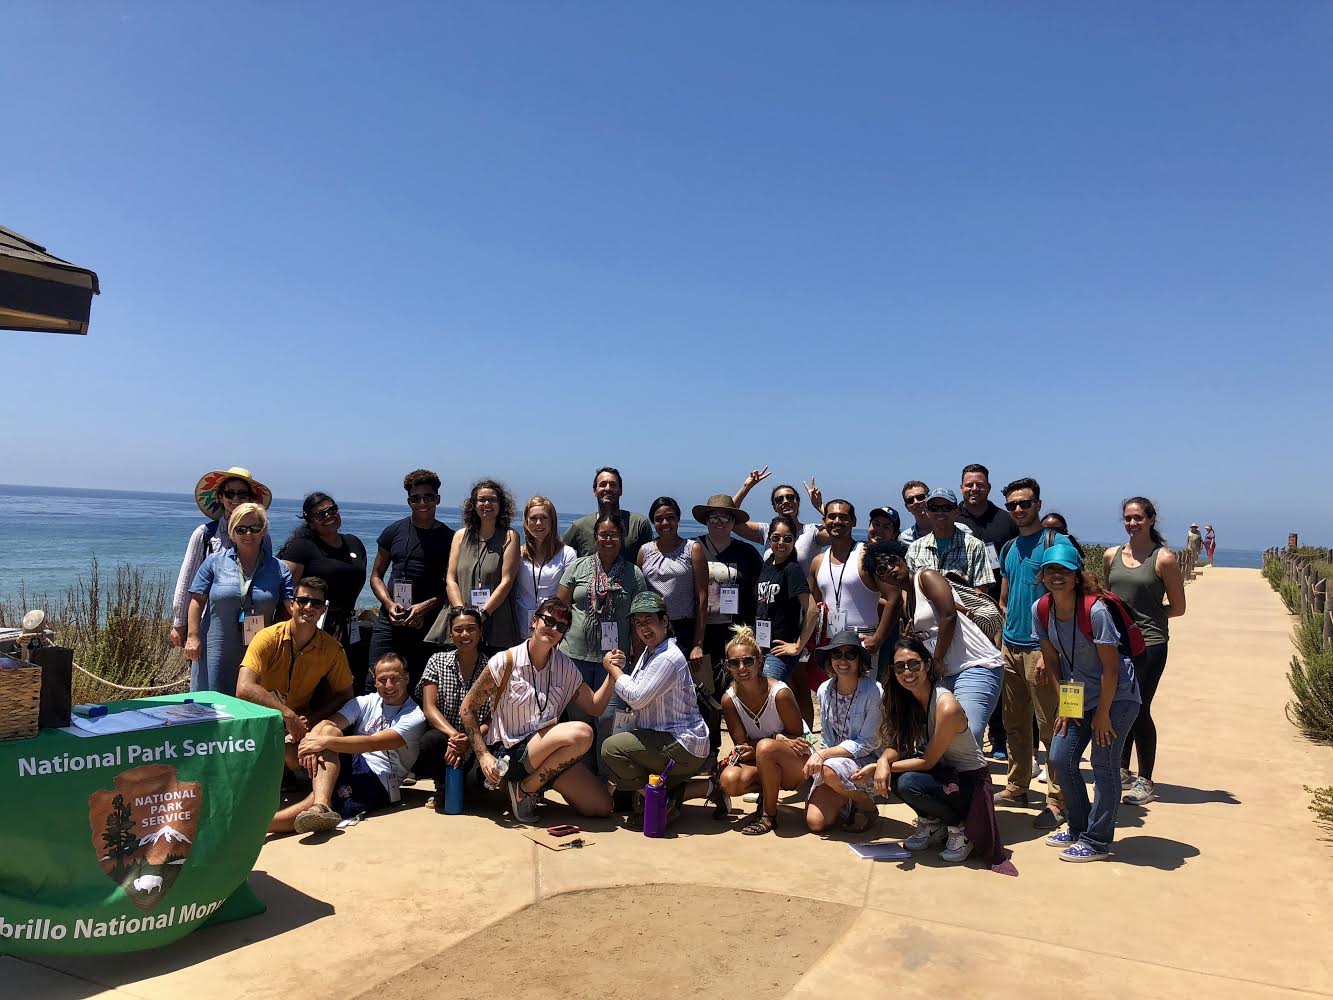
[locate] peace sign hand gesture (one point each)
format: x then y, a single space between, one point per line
756 477
816 494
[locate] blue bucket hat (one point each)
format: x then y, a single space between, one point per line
1062 554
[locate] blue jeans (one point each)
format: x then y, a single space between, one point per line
593 674
978 691
926 796
1093 823
780 668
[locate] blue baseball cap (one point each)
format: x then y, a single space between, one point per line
941 493
886 511
1062 554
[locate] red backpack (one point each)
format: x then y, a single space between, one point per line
1131 637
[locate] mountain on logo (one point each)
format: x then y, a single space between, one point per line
167 833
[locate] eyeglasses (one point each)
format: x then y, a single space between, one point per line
551 621
786 498
907 666
1018 504
420 498
719 518
741 661
327 514
915 499
784 539
844 653
238 494
249 529
310 602
608 538
490 501
940 508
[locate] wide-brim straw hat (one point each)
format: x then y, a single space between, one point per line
720 503
847 637
208 491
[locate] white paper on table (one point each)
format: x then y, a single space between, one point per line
183 712
112 723
881 851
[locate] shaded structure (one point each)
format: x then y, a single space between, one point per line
41 292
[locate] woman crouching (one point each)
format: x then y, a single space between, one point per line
849 707
932 762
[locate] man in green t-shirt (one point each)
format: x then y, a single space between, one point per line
635 529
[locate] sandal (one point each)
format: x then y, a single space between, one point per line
861 820
763 824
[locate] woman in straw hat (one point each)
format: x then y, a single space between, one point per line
217 493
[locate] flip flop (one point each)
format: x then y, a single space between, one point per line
317 819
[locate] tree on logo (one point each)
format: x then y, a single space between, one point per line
119 837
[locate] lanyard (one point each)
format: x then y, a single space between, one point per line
543 698
537 573
837 587
247 585
1066 654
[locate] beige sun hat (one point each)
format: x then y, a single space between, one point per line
208 491
720 503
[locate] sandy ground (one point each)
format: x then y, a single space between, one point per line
1221 888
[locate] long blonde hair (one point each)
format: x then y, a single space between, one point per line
552 543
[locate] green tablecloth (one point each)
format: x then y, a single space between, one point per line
123 842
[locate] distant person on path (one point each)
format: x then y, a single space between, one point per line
1209 542
297 669
635 530
448 677
1104 688
849 713
1145 574
932 762
676 568
417 548
543 560
767 733
599 589
358 757
1024 694
1194 540
236 593
217 494
528 688
317 548
483 565
787 502
946 547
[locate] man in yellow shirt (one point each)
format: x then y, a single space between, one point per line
284 664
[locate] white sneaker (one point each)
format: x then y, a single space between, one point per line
958 846
1041 775
928 831
522 805
1140 793
750 797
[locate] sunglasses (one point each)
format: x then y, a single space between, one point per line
785 498
310 602
784 539
885 567
741 661
551 621
420 498
608 538
940 508
719 519
845 653
327 514
915 499
249 529
907 666
238 494
1018 504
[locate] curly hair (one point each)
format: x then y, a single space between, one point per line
503 518
421 477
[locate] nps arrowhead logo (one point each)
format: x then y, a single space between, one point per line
142 830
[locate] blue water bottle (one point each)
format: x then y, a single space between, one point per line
453 790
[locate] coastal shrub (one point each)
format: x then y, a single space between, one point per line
1311 679
1094 562
1321 805
119 629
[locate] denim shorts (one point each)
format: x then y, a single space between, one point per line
780 668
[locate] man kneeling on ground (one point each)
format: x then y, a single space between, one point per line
528 687
385 729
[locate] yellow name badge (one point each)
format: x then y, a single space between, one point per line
1071 700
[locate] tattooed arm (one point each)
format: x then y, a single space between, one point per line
478 696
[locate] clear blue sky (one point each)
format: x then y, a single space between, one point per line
869 241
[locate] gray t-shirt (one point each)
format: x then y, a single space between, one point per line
369 715
636 532
1078 657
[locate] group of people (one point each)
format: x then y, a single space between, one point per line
593 662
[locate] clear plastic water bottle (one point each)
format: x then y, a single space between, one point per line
501 765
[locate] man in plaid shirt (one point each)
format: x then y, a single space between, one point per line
946 548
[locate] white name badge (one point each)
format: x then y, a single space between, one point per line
251 626
1071 700
992 557
730 600
353 630
480 595
763 633
837 621
402 594
610 636
623 722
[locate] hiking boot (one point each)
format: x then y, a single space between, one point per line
928 831
1140 793
958 847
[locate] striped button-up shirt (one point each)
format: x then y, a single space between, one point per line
660 691
534 698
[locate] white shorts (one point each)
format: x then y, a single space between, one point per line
844 767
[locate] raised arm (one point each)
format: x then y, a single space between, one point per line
751 531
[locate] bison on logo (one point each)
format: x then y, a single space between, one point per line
143 829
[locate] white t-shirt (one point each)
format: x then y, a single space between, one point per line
536 583
969 648
807 544
369 715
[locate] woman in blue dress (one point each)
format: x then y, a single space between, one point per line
234 594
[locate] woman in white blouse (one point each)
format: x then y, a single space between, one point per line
543 560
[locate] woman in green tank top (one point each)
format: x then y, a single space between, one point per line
1145 575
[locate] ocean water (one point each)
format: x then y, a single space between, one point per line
48 535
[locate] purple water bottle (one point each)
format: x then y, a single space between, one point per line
655 803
